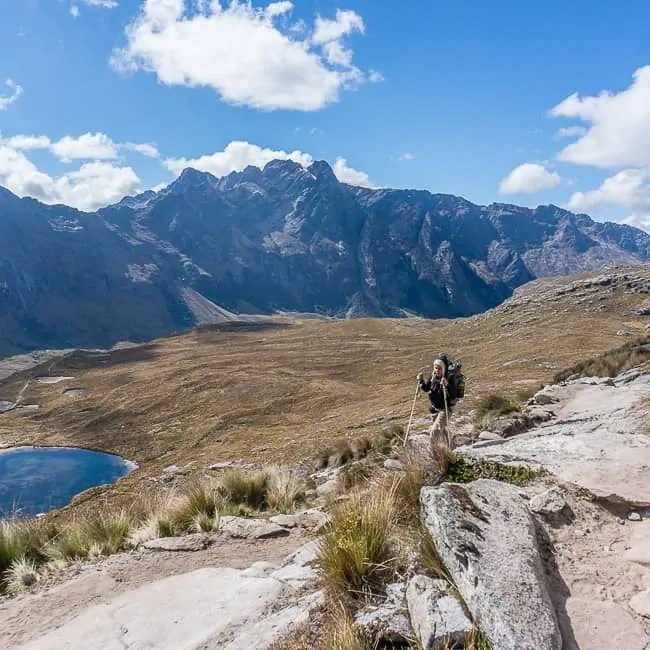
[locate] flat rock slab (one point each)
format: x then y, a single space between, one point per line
250 528
310 519
487 540
604 625
207 609
596 442
195 542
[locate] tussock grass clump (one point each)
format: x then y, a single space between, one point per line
496 405
244 487
416 474
610 363
429 556
21 575
272 488
492 406
284 489
22 539
196 510
100 535
355 548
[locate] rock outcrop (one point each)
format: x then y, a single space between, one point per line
597 440
225 608
487 540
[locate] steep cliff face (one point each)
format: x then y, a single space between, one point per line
282 238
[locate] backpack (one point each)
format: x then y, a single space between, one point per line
454 375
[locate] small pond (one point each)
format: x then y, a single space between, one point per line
34 480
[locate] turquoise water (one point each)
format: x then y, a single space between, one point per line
37 479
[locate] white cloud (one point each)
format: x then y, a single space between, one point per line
149 150
95 146
570 131
234 158
253 60
97 184
27 142
328 34
407 156
93 185
15 90
89 146
105 4
350 175
74 11
629 188
238 155
528 178
619 125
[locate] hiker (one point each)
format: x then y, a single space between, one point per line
439 389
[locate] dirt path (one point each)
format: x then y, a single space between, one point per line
29 616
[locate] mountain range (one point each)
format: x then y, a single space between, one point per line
281 238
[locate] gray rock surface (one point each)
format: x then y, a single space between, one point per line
596 442
641 603
436 616
250 528
329 487
206 609
195 542
384 623
311 519
486 538
551 502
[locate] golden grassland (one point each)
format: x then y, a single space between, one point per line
275 391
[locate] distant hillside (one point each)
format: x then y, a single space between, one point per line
285 238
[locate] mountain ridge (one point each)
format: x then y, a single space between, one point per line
279 238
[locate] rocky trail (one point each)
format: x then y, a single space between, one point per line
596 512
562 563
160 598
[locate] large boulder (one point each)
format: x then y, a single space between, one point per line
486 538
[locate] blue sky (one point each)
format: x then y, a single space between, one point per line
106 97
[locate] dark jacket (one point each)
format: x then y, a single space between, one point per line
436 397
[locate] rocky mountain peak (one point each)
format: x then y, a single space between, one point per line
190 179
286 237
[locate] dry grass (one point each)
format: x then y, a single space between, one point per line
343 450
341 633
284 490
610 363
355 554
492 406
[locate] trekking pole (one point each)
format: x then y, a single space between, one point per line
406 435
444 394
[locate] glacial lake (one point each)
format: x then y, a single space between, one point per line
34 480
